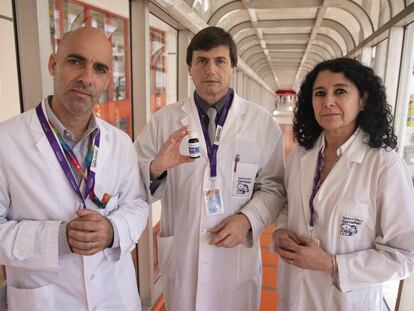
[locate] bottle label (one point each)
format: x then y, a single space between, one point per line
194 149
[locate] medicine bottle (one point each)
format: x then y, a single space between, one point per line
194 146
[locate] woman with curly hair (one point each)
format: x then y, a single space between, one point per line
349 223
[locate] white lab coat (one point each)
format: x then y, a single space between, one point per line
363 214
35 197
196 275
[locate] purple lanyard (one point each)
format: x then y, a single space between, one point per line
212 148
316 186
90 183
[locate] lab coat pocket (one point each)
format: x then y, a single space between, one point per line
366 299
166 255
244 175
36 299
111 206
248 263
355 222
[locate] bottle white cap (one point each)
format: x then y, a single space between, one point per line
193 135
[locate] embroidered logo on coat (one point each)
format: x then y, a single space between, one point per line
242 188
350 226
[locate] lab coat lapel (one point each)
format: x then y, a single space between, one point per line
338 179
308 164
358 149
42 142
192 120
104 152
234 121
334 182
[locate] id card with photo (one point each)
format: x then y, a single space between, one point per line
213 201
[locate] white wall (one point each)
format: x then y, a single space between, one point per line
9 88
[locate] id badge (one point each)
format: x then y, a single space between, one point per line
313 235
213 201
94 159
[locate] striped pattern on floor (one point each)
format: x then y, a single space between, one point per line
269 296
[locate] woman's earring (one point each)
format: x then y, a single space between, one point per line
361 105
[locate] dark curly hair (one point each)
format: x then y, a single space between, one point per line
375 119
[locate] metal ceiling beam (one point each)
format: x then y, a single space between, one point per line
342 30
251 50
291 38
355 10
254 57
315 30
327 47
254 21
285 54
244 29
224 10
330 42
283 4
259 61
286 47
321 51
401 19
395 6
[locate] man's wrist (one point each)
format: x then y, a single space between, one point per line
246 221
63 245
155 170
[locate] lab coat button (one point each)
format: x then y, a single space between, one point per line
92 277
204 230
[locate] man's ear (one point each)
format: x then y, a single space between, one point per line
189 70
52 64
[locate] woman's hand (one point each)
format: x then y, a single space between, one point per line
302 252
284 237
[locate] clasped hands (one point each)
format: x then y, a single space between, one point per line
89 232
301 251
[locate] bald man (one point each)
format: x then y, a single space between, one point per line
71 200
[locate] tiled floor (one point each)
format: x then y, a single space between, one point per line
269 295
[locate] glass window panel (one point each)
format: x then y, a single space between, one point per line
99 20
9 84
163 91
163 64
379 58
202 6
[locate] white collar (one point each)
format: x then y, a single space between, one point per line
341 150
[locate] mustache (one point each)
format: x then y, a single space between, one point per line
216 79
82 88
